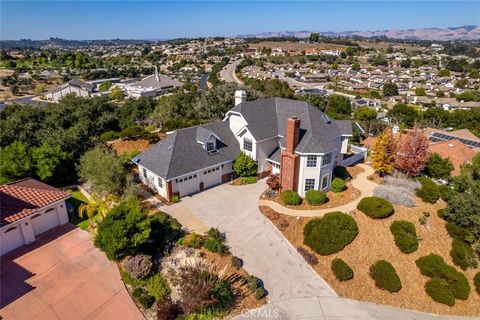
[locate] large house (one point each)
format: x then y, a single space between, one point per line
152 85
286 137
28 208
77 87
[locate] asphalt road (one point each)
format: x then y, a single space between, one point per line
228 72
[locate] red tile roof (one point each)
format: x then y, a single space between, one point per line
457 152
22 198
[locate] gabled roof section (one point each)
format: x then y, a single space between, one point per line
180 153
203 134
267 118
22 198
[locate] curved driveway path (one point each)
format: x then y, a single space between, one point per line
295 290
360 182
228 72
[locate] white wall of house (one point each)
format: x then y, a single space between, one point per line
61 92
245 134
153 181
317 173
24 231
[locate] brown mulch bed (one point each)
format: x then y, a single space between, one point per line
126 146
375 242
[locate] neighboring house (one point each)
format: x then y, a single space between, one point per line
152 85
77 87
28 208
286 137
457 152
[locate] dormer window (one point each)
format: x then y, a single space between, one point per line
210 146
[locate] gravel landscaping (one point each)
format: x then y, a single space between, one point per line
375 242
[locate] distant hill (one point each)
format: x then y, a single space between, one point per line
438 34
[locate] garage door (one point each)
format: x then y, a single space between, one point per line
212 177
11 239
44 222
188 185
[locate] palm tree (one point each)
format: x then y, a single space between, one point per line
90 209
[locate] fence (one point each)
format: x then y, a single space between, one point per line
359 155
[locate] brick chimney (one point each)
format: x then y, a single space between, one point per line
289 160
292 134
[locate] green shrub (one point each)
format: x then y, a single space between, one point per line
214 245
429 191
259 293
341 172
457 232
337 185
315 197
133 131
476 282
445 192
175 199
440 290
441 213
157 286
341 270
253 283
237 263
405 236
245 166
463 255
248 180
331 233
143 298
109 136
290 197
193 240
435 267
385 276
376 208
127 279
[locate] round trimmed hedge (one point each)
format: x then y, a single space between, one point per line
405 236
331 233
429 191
441 291
341 269
376 208
463 255
290 197
385 276
315 197
337 185
476 282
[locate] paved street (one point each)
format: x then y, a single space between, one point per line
228 73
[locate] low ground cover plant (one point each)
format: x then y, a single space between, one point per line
385 276
290 197
256 286
429 191
376 208
405 236
315 197
248 180
138 266
457 232
434 266
308 256
215 242
331 233
337 185
341 270
398 190
440 291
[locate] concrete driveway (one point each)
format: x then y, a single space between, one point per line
295 290
62 276
252 237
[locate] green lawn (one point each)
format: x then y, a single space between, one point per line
77 200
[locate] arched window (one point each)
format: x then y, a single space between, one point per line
10 229
51 209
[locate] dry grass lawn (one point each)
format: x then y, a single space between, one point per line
375 242
126 146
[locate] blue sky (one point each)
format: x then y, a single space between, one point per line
172 19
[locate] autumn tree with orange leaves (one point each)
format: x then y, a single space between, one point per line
383 155
412 153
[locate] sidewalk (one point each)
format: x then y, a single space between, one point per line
360 182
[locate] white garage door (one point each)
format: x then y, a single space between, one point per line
188 185
212 177
11 239
43 222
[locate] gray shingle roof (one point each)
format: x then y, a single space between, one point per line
163 82
180 153
267 118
